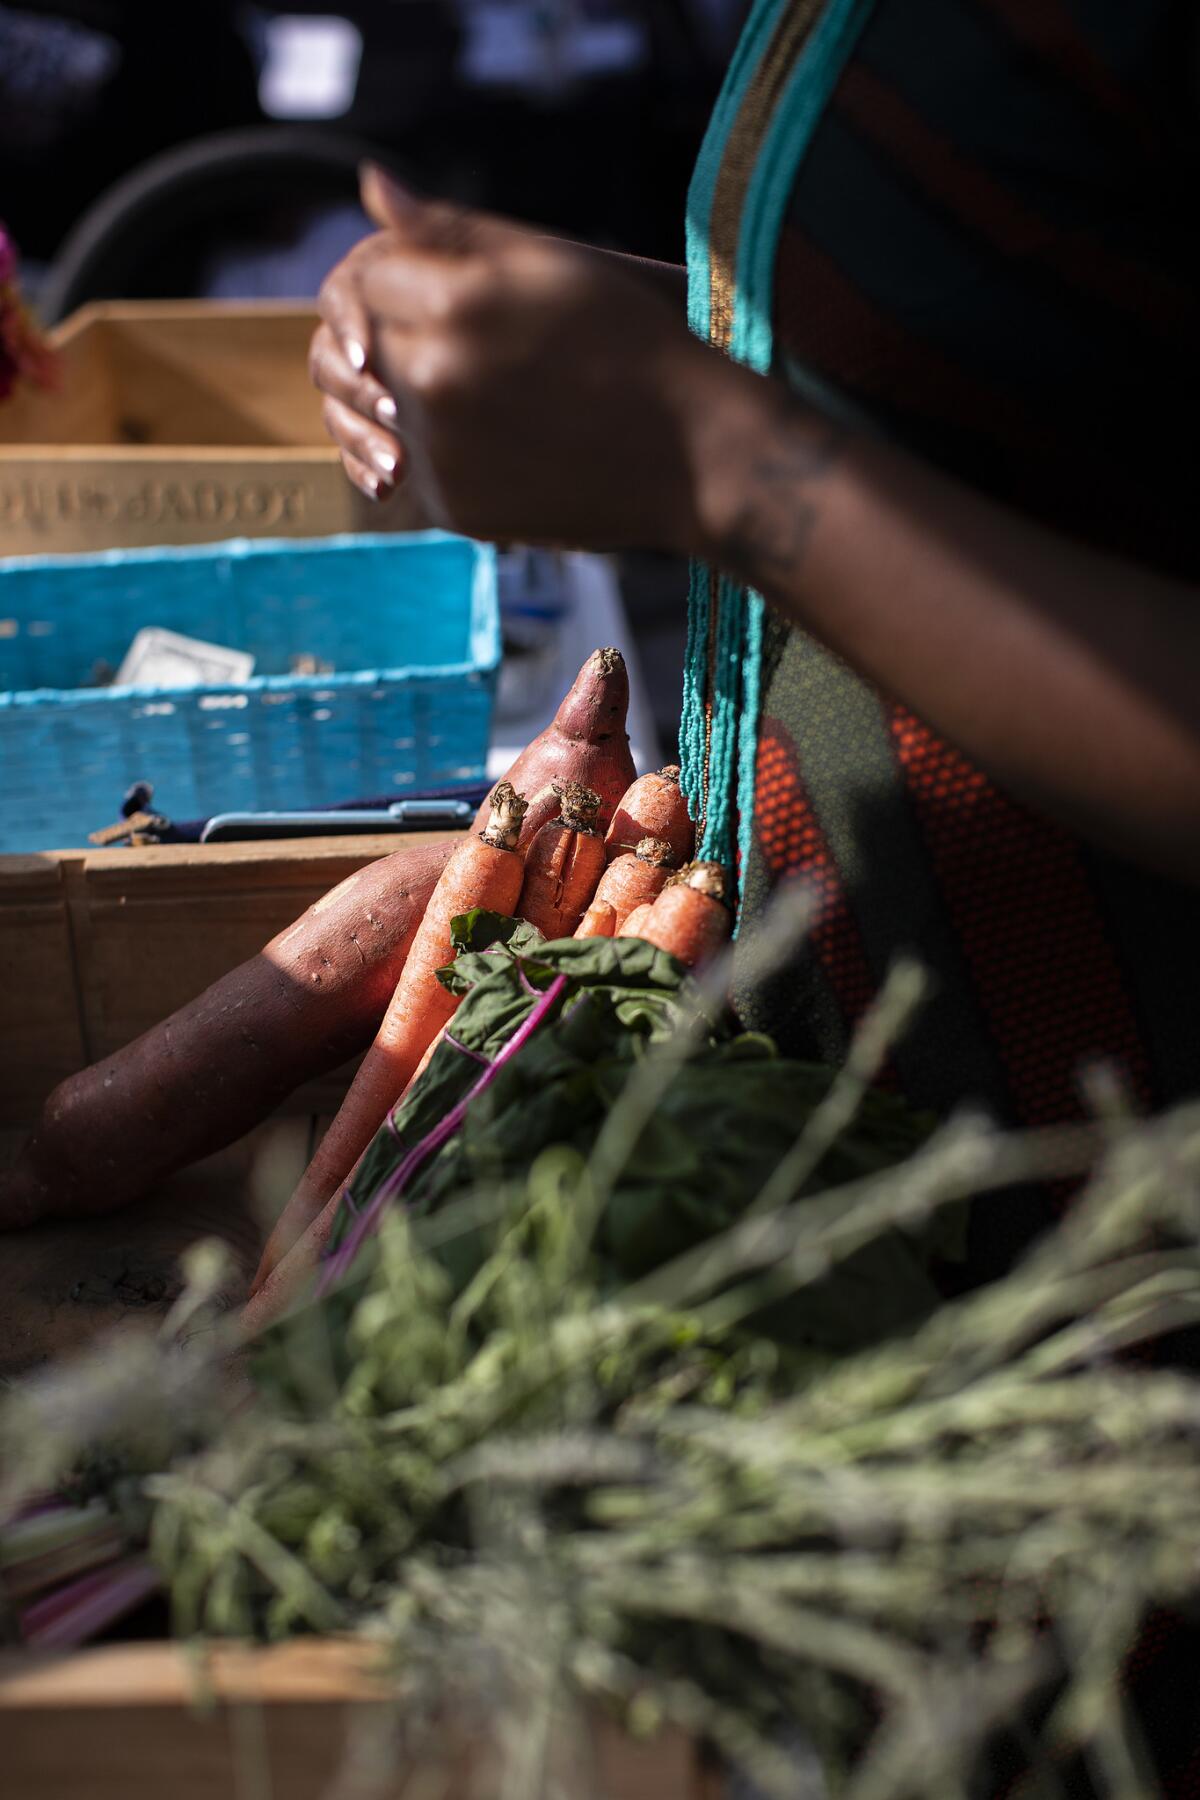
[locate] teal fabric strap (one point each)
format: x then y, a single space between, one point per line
756 36
723 666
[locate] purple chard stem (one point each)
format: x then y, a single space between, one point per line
49 1529
77 1612
475 1056
368 1221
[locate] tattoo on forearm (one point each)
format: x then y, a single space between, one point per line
767 542
771 531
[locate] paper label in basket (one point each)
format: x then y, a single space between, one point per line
159 658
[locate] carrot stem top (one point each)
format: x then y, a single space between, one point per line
706 877
508 809
656 851
578 806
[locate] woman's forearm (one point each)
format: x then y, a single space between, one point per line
1072 677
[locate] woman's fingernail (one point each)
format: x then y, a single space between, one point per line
386 410
369 485
385 462
356 355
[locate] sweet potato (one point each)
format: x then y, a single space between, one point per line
311 998
585 742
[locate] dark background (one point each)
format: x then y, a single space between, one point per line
89 89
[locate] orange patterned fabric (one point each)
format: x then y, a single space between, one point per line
1020 905
792 845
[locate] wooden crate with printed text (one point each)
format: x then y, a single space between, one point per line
177 422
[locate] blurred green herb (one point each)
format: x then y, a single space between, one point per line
587 1421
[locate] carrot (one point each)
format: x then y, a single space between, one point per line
281 1245
484 871
598 921
290 1279
635 878
563 864
309 1000
652 807
637 920
690 917
586 742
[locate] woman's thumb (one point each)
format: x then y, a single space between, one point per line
391 206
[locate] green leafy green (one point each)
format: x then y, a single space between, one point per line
728 1115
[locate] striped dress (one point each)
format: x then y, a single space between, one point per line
990 256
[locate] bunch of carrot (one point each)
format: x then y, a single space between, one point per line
569 877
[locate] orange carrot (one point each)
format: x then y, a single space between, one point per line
652 807
638 919
563 864
277 1289
282 1236
586 742
484 871
598 921
635 878
690 917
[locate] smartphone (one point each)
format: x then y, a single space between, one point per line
404 815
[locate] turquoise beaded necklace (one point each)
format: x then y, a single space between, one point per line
782 75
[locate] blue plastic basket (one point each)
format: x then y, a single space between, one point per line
411 624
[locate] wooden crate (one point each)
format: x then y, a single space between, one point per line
177 422
135 1722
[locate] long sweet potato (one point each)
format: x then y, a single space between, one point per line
311 998
586 742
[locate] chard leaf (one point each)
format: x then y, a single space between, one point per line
479 929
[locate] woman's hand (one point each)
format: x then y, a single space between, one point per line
541 392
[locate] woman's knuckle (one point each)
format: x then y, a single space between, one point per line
434 374
362 394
